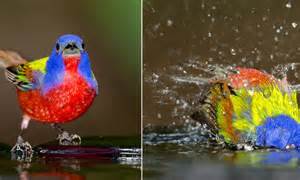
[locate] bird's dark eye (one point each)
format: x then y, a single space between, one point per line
83 45
57 47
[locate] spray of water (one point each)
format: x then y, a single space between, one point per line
176 91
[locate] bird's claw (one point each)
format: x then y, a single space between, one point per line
76 139
67 139
22 151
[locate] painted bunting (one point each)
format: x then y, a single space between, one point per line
55 89
254 107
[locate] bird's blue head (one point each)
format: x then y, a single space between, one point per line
68 54
69 45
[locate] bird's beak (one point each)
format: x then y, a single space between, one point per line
71 49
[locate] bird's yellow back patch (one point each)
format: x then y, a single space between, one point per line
39 64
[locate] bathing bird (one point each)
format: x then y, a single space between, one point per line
55 89
251 107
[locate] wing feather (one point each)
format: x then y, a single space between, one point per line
27 76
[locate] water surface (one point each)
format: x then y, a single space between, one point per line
125 165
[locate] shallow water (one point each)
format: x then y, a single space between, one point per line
125 164
68 169
197 162
181 154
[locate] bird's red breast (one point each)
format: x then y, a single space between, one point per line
63 103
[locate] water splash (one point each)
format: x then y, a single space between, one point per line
190 133
176 90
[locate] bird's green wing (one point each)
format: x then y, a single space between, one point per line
27 76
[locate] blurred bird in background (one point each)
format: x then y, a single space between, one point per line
55 89
251 107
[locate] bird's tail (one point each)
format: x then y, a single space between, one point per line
10 58
217 93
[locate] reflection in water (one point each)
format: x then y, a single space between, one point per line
126 165
55 169
265 158
131 157
212 152
169 161
54 172
25 175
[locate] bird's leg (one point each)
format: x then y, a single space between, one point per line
65 138
22 150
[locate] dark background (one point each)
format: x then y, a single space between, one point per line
111 30
183 37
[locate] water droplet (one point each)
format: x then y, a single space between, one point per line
278 30
245 83
288 5
251 92
158 115
294 24
264 18
232 51
169 22
202 5
156 27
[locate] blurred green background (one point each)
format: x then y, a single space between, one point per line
111 30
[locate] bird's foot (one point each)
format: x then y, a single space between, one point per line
67 139
22 151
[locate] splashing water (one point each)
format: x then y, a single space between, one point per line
206 39
188 133
177 93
